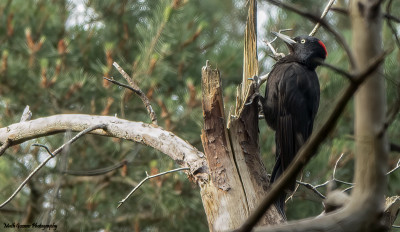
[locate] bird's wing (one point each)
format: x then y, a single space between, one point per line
295 111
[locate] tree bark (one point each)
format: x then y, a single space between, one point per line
223 196
238 176
370 115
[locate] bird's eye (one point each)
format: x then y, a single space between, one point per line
303 41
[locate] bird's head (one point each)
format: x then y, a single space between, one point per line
306 49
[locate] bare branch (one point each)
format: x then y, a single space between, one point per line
96 172
26 116
6 144
342 72
45 147
334 169
394 146
387 15
390 24
168 143
148 178
328 6
395 168
313 188
52 155
137 91
122 85
391 17
275 55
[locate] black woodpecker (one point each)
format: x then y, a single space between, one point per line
291 102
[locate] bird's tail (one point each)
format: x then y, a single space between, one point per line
280 202
285 152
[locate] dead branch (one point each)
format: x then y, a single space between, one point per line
138 92
123 85
26 116
311 187
389 22
52 155
168 143
395 168
328 6
6 144
96 172
148 178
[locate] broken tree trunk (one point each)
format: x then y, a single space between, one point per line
238 179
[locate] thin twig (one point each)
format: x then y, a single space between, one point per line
328 6
4 146
386 15
316 19
395 168
312 187
122 85
334 176
315 188
337 161
96 172
390 24
139 92
45 147
388 173
323 184
342 72
276 55
147 178
55 152
391 17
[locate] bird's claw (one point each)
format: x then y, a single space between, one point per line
256 82
256 85
254 96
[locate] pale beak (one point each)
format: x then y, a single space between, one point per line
289 41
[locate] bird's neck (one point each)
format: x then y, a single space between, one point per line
292 58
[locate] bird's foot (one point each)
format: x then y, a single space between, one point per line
256 82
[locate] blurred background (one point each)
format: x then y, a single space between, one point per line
54 55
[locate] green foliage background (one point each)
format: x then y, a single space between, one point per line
54 59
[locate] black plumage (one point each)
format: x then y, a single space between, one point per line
291 101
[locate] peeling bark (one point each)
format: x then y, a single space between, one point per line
223 197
